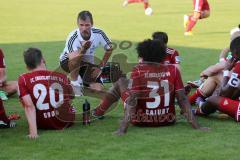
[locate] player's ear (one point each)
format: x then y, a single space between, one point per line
43 61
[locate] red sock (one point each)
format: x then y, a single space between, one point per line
191 23
135 1
197 93
105 104
3 116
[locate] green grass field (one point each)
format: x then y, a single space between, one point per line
46 24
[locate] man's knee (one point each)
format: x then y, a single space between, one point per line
205 14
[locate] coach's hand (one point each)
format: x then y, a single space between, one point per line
86 45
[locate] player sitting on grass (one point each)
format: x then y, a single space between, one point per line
228 100
45 95
172 56
213 74
155 85
214 69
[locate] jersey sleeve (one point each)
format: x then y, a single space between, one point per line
178 80
72 43
175 58
104 40
22 87
2 63
234 80
134 83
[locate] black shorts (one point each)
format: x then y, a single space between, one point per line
64 66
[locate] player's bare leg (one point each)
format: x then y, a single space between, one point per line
205 14
190 21
207 88
112 96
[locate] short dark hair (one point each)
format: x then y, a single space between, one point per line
160 36
235 46
32 57
83 15
152 50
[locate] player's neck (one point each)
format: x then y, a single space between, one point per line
40 67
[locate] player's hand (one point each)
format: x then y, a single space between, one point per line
32 136
230 63
120 132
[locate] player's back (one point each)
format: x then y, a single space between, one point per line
156 84
50 93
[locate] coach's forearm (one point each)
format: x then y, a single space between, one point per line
106 57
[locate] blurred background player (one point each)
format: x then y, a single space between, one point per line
155 91
45 95
7 88
145 3
201 11
228 100
79 51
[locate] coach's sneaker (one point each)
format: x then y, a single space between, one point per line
189 33
185 20
3 96
195 84
10 124
125 3
77 88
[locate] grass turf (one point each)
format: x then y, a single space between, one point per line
45 24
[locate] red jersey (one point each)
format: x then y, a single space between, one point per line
2 62
50 93
230 106
172 57
156 84
200 5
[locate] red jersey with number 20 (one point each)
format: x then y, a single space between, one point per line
50 93
156 85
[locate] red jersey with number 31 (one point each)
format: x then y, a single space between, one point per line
50 93
156 85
